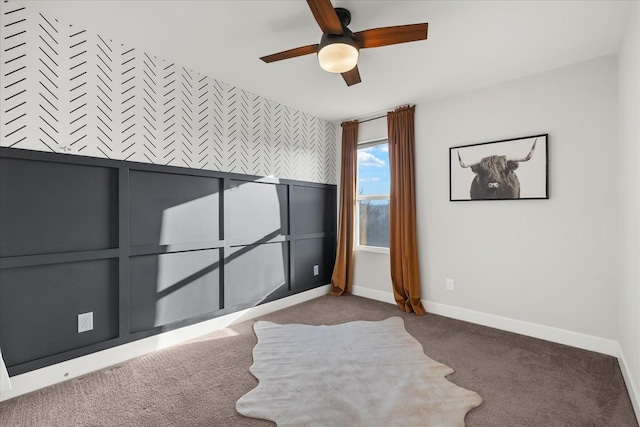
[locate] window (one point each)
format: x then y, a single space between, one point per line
372 200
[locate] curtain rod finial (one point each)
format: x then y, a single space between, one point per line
351 123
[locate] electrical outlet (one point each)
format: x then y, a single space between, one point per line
316 271
449 284
85 322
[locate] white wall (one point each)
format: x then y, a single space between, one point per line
545 262
629 203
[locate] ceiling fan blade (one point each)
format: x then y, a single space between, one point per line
326 16
291 53
385 36
352 76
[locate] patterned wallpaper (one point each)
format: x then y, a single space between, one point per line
65 89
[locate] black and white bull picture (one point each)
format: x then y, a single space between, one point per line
495 176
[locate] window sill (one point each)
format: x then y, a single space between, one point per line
375 249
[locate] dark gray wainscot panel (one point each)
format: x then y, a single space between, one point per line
39 307
54 207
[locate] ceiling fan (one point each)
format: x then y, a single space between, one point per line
338 49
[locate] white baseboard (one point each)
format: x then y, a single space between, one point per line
561 336
632 387
549 333
63 371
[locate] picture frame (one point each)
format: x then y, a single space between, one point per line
509 169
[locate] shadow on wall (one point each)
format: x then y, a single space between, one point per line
171 287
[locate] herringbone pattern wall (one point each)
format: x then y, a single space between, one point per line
67 90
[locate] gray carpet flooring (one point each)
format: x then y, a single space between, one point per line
523 381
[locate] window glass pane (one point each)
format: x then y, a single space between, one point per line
373 170
374 223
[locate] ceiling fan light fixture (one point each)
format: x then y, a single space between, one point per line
337 54
339 48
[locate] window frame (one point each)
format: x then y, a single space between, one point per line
358 198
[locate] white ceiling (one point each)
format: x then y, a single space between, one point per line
471 44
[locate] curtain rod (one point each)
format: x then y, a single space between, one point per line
379 114
372 118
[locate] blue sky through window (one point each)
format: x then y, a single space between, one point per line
373 170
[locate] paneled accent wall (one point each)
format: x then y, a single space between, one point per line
145 249
65 89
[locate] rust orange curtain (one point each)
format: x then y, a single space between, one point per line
403 244
342 277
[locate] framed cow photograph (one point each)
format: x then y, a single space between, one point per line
500 170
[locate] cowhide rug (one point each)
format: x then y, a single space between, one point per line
353 374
